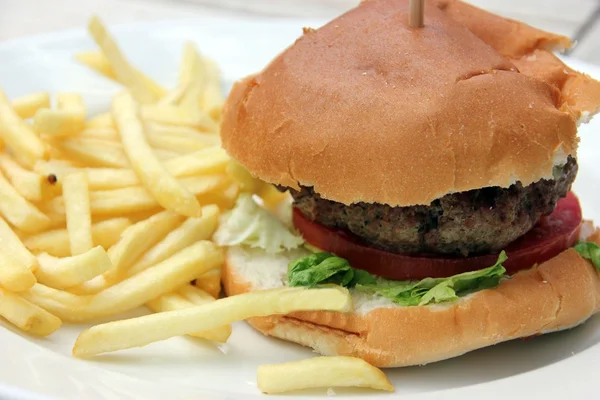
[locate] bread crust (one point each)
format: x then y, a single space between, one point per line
558 294
345 112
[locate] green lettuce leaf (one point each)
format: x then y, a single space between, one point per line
251 225
589 251
322 268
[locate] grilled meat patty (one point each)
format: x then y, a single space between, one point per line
472 222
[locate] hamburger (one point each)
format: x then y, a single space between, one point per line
428 170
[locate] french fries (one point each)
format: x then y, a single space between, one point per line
26 146
28 184
68 120
176 115
26 316
20 212
171 302
27 106
11 244
125 73
210 282
138 238
14 276
96 61
62 273
136 332
162 278
163 186
77 209
94 152
321 372
56 242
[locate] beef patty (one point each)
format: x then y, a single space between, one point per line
472 222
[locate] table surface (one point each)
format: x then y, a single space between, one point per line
27 17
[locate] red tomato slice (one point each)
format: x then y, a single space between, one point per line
551 235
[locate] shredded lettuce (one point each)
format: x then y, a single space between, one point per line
589 251
251 225
324 268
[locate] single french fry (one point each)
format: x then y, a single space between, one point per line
187 71
147 329
321 372
14 276
210 282
138 238
56 243
186 234
62 273
164 155
11 244
68 120
77 209
26 106
100 133
27 316
27 183
170 302
98 62
125 73
103 120
206 161
18 211
160 279
25 145
94 152
212 101
164 187
176 115
173 97
181 144
244 178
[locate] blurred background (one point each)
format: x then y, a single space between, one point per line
577 19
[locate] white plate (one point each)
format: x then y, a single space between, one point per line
560 364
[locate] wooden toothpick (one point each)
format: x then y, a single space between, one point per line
416 13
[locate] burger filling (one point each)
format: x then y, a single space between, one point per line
458 224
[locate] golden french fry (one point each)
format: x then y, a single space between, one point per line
187 71
26 146
14 276
164 187
160 279
174 96
164 155
18 211
26 316
102 133
56 243
210 282
137 332
244 178
206 161
182 145
321 372
125 73
170 302
98 62
94 152
11 244
176 115
212 101
103 120
27 106
28 184
225 199
62 273
77 209
68 120
138 238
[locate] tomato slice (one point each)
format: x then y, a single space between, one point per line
551 235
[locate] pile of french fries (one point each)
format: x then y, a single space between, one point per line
103 214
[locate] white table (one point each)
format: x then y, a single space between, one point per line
26 17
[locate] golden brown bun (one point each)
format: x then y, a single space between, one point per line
558 294
367 109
